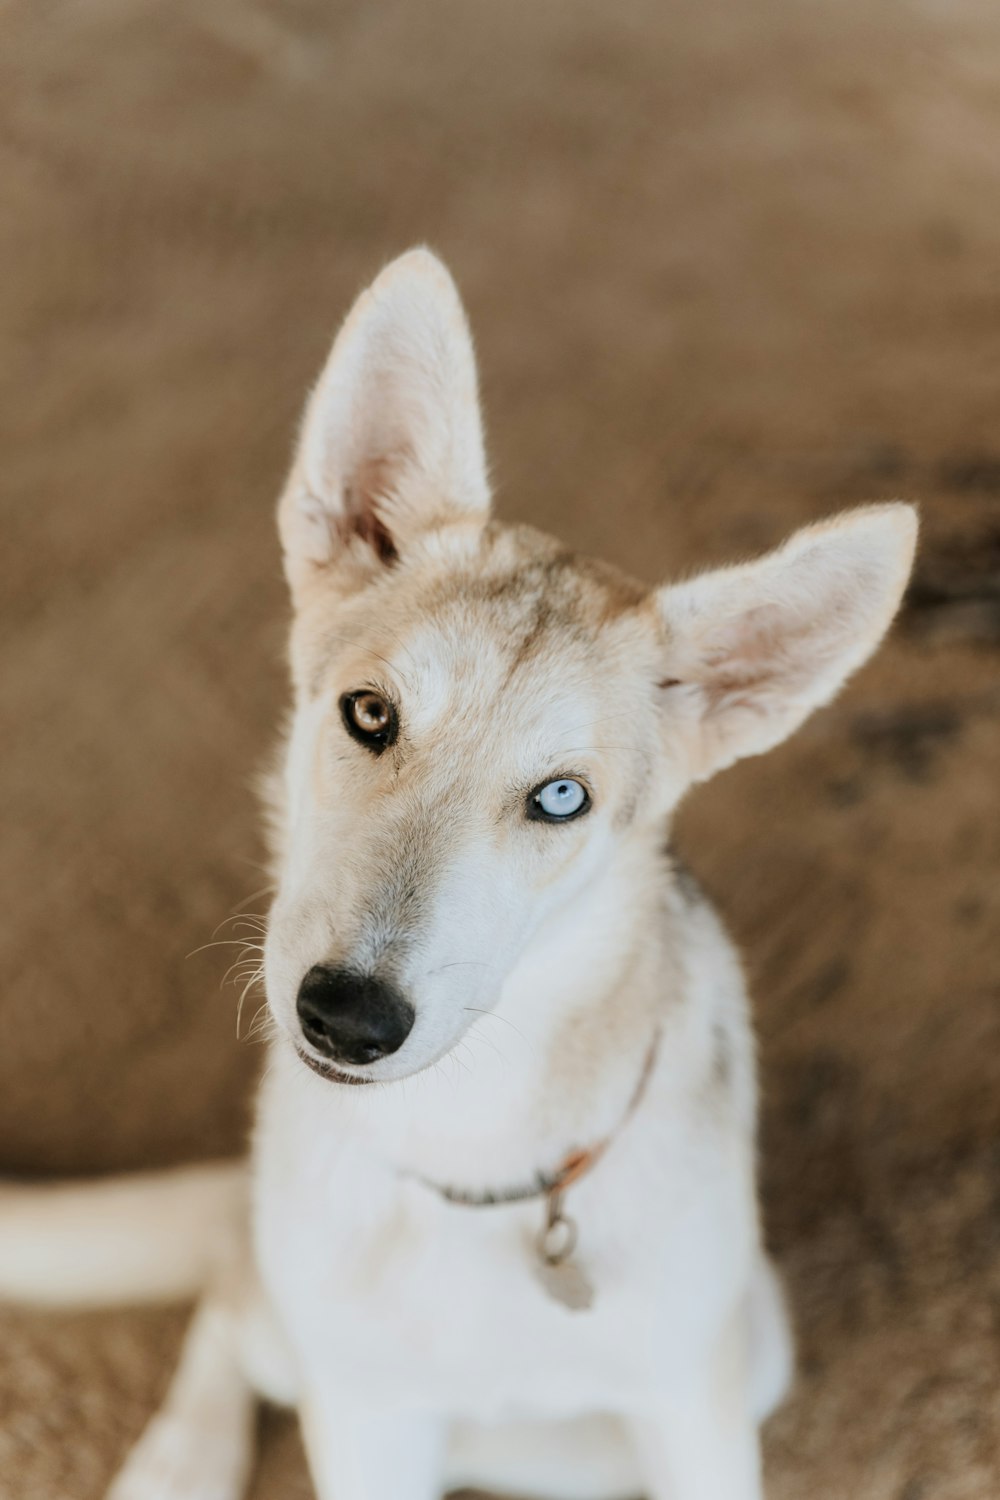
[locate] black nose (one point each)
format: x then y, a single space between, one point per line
354 1018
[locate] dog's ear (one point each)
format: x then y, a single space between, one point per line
392 441
753 649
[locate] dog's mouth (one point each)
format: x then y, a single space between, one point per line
330 1071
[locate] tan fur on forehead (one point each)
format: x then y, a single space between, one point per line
513 580
528 593
524 561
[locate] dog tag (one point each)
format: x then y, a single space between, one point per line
565 1282
557 1271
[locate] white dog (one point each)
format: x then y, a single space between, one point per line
500 1224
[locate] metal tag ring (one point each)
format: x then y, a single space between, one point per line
557 1241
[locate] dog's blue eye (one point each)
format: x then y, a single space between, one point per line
558 800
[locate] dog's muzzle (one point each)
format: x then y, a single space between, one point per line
352 1018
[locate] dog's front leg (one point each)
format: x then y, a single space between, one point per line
703 1443
199 1446
365 1456
692 1450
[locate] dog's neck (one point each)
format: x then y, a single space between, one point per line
549 1070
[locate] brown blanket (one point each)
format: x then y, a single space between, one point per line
731 266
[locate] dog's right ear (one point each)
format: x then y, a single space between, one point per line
392 440
753 649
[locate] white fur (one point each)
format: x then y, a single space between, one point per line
400 1306
123 1239
412 1333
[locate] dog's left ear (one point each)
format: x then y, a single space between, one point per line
753 649
392 440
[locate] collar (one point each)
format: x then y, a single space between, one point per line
575 1165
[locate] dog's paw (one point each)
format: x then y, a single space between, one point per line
175 1460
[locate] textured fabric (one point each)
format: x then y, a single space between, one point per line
730 267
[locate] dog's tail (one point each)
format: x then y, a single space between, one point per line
148 1237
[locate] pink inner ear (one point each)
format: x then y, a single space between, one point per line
769 648
372 481
371 529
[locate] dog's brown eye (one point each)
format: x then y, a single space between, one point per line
370 713
370 718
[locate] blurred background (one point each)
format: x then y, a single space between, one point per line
731 266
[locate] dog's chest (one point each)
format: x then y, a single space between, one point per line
387 1289
447 1302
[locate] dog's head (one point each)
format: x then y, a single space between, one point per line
490 732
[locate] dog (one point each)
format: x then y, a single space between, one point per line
499 1225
